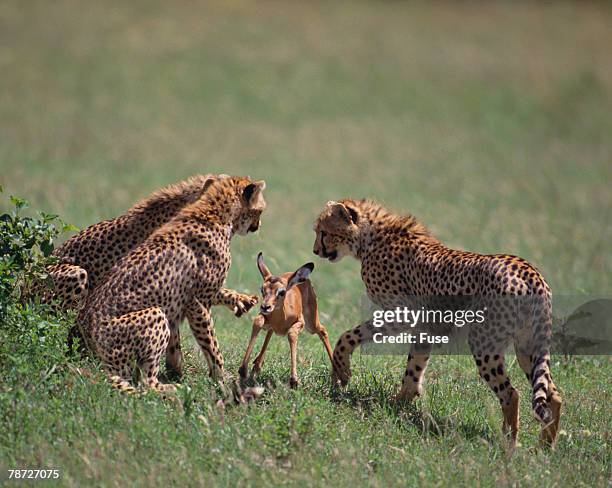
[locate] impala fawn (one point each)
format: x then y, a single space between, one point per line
289 304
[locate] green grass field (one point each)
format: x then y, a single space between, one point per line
491 122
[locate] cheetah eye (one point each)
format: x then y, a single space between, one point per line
281 293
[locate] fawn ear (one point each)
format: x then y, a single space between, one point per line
253 195
301 275
263 269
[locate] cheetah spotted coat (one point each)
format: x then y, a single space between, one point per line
178 272
400 259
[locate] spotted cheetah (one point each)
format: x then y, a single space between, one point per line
178 272
87 256
400 259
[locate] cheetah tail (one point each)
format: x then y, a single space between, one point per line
540 386
540 370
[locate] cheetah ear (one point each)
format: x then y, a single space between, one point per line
209 181
301 275
339 211
253 195
263 269
353 214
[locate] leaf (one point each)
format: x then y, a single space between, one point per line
46 247
30 242
48 217
19 202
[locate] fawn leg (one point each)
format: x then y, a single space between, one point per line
258 323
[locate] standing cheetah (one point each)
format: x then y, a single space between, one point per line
178 272
400 259
87 256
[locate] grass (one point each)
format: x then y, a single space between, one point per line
490 122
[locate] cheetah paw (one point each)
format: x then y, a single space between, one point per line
244 304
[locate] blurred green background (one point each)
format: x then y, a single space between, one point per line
489 121
492 123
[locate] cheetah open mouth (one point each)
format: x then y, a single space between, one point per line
332 256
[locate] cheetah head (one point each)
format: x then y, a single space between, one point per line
252 204
336 231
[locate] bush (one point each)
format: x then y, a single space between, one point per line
32 335
26 247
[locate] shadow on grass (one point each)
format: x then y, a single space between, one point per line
367 401
408 414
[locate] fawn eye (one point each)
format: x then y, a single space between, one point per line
262 290
281 293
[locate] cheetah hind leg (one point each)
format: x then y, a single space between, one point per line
145 335
492 369
120 382
154 337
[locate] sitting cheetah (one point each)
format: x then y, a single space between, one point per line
134 314
87 256
400 259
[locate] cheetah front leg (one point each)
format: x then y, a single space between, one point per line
201 323
412 383
348 342
238 303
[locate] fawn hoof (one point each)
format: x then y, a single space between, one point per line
293 383
243 372
256 369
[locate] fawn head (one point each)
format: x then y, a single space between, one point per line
275 288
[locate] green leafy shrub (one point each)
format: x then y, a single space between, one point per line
32 334
26 245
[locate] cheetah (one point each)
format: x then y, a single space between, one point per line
87 256
178 272
400 259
